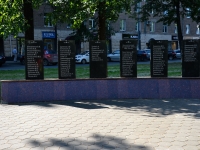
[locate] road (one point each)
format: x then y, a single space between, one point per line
10 65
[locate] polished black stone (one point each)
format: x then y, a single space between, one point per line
191 58
159 58
98 59
66 59
34 60
128 58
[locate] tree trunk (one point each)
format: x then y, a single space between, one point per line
180 34
28 14
102 21
1 45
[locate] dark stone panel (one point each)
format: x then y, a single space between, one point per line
122 88
128 58
102 89
191 58
179 89
90 89
159 58
86 89
194 87
112 88
71 90
59 90
163 88
34 60
98 59
45 89
66 57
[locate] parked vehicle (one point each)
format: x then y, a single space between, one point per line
22 59
142 55
50 57
115 56
148 51
178 53
171 54
2 59
83 57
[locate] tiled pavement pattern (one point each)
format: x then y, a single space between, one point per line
118 124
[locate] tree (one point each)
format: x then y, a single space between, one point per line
169 11
77 11
28 15
16 16
11 18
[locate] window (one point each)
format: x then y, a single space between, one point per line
47 20
198 29
137 7
91 23
188 12
187 29
164 28
108 26
123 25
152 26
136 26
68 26
122 10
175 28
152 9
165 13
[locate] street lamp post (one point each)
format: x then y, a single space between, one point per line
139 33
139 36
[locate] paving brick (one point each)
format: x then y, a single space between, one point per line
161 148
176 148
37 148
17 146
67 127
5 146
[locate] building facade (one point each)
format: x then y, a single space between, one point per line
150 29
43 30
124 26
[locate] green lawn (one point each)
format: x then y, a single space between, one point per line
143 70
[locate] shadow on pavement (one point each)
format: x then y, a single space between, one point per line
156 107
94 143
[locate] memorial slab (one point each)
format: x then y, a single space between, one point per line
98 59
191 57
128 58
66 57
34 60
159 59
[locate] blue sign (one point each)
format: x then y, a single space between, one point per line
48 35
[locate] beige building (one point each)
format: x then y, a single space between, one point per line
123 27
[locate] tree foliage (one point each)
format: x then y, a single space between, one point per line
169 11
77 11
12 18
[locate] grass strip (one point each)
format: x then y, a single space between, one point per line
143 70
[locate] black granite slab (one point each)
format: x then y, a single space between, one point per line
34 60
66 59
191 58
128 58
98 59
159 58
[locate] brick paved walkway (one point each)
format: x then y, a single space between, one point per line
117 124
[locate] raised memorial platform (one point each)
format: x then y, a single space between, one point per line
89 89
